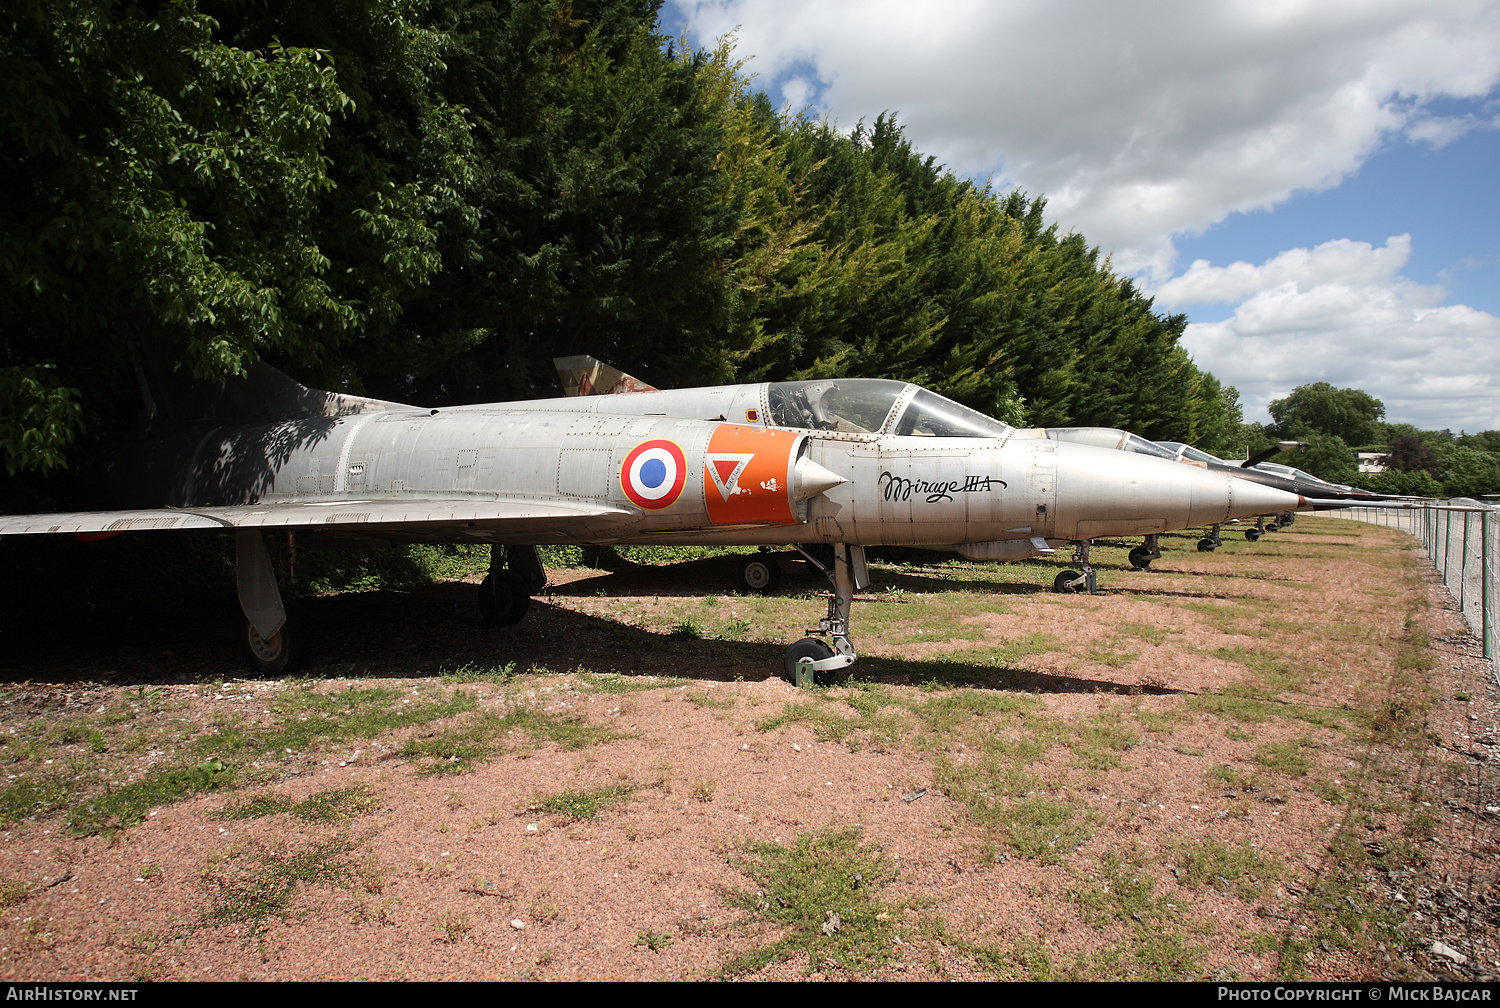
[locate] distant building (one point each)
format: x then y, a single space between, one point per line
1371 462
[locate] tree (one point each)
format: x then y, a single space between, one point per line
428 200
1468 472
1348 414
1393 481
1409 453
1326 457
211 201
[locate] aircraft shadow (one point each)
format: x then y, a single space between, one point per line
435 630
720 576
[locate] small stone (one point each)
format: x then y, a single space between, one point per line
796 747
1449 953
518 924
531 827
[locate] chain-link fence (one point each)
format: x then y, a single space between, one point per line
1462 538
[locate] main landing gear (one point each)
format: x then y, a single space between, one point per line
1262 527
1211 542
1141 556
505 593
760 573
1074 581
264 567
849 573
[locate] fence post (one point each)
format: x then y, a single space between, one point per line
1447 541
1463 567
1485 618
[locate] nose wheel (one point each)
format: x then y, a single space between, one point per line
1211 542
1070 582
1141 557
831 648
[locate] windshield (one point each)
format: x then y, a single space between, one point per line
930 415
851 405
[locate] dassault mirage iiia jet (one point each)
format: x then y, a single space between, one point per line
846 462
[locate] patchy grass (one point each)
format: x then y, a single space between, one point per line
1241 870
577 806
121 808
823 892
1276 671
252 884
324 807
12 893
1109 655
484 735
1284 758
1151 633
1045 829
1098 740
470 673
613 682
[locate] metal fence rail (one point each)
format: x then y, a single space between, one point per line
1462 538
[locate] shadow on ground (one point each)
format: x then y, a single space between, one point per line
433 630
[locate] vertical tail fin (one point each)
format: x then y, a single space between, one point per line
584 375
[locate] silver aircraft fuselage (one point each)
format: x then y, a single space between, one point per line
715 465
850 463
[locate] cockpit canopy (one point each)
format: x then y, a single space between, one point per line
1189 452
1110 437
876 405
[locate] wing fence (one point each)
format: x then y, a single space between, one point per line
1462 539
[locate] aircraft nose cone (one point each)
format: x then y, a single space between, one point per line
1101 492
1247 499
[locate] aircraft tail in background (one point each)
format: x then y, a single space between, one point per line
584 375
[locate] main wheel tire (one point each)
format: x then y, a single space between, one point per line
1272 527
1140 558
1206 545
280 654
1252 534
760 574
503 600
807 647
1063 583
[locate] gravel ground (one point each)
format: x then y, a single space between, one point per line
1188 776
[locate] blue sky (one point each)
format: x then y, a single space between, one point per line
1447 199
1310 181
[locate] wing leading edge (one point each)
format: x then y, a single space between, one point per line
425 513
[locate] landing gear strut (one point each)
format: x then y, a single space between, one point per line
505 593
1073 581
849 573
1211 542
1142 555
264 571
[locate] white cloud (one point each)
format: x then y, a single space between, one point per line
1342 313
1138 120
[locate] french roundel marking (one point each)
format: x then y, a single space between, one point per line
654 474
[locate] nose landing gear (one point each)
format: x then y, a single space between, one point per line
1142 555
849 573
1211 542
1076 581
